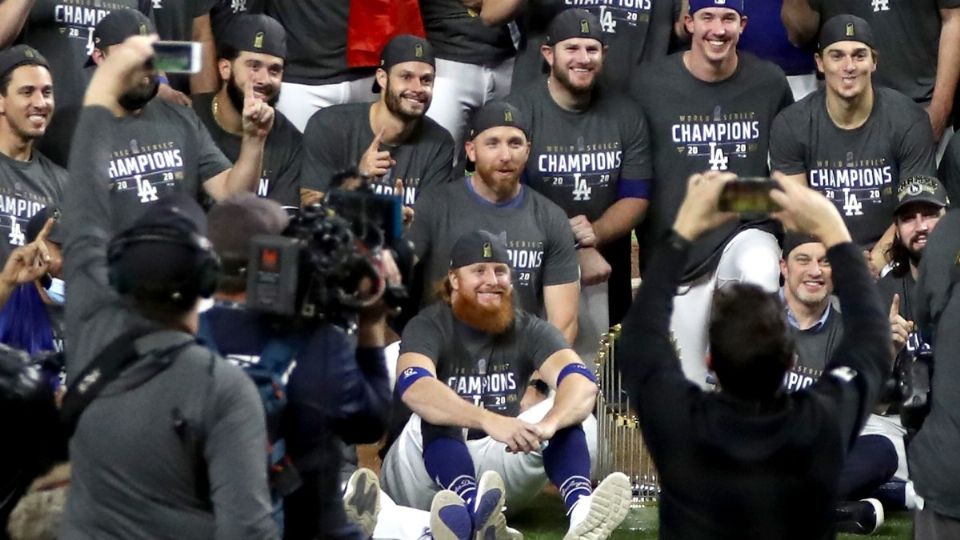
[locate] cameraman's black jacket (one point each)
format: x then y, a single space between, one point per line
934 455
744 470
336 392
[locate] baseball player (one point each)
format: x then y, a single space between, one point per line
463 366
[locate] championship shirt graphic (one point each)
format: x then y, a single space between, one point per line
526 258
576 170
385 186
852 183
145 173
16 209
615 14
800 377
490 387
715 138
77 18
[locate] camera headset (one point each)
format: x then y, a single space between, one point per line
201 281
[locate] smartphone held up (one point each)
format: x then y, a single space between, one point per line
749 196
177 56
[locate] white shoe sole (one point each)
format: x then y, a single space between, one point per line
490 481
441 528
361 500
608 508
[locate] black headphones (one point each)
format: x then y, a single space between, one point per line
202 281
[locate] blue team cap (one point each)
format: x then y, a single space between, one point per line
736 5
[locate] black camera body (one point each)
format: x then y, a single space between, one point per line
325 265
909 388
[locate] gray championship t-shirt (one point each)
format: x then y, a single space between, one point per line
539 240
162 150
62 30
25 188
224 11
585 161
813 349
336 138
280 179
489 371
858 169
458 34
698 126
316 40
907 36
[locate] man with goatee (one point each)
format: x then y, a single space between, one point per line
390 140
464 364
251 53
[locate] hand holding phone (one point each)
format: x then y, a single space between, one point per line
749 195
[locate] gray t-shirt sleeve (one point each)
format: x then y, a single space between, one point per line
542 340
787 153
637 157
440 170
917 150
950 169
425 213
319 156
423 335
211 160
235 443
560 266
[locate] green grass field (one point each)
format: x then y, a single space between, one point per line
545 521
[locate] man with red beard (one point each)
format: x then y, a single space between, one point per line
464 364
28 180
391 140
251 53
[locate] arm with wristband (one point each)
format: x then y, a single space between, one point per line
436 403
576 389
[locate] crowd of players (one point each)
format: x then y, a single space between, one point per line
580 128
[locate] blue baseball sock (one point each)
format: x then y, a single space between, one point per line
567 462
449 463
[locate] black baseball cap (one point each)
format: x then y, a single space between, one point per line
574 23
117 26
36 223
477 247
845 28
20 55
793 240
920 188
497 114
736 5
256 33
405 48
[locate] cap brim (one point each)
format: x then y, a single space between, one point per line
921 199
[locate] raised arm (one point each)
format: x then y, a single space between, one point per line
13 15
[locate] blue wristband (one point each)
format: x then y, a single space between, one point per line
578 369
162 79
409 376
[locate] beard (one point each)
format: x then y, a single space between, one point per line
394 104
236 94
488 319
563 78
136 98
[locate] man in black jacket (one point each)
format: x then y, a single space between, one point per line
751 461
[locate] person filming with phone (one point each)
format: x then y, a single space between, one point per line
162 148
751 458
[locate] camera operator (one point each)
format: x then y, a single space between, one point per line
752 458
169 438
338 389
932 454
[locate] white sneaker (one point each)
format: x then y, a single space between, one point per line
596 516
361 500
449 517
491 495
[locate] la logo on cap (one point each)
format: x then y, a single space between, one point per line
850 30
28 53
720 2
258 41
584 26
508 116
487 250
418 50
